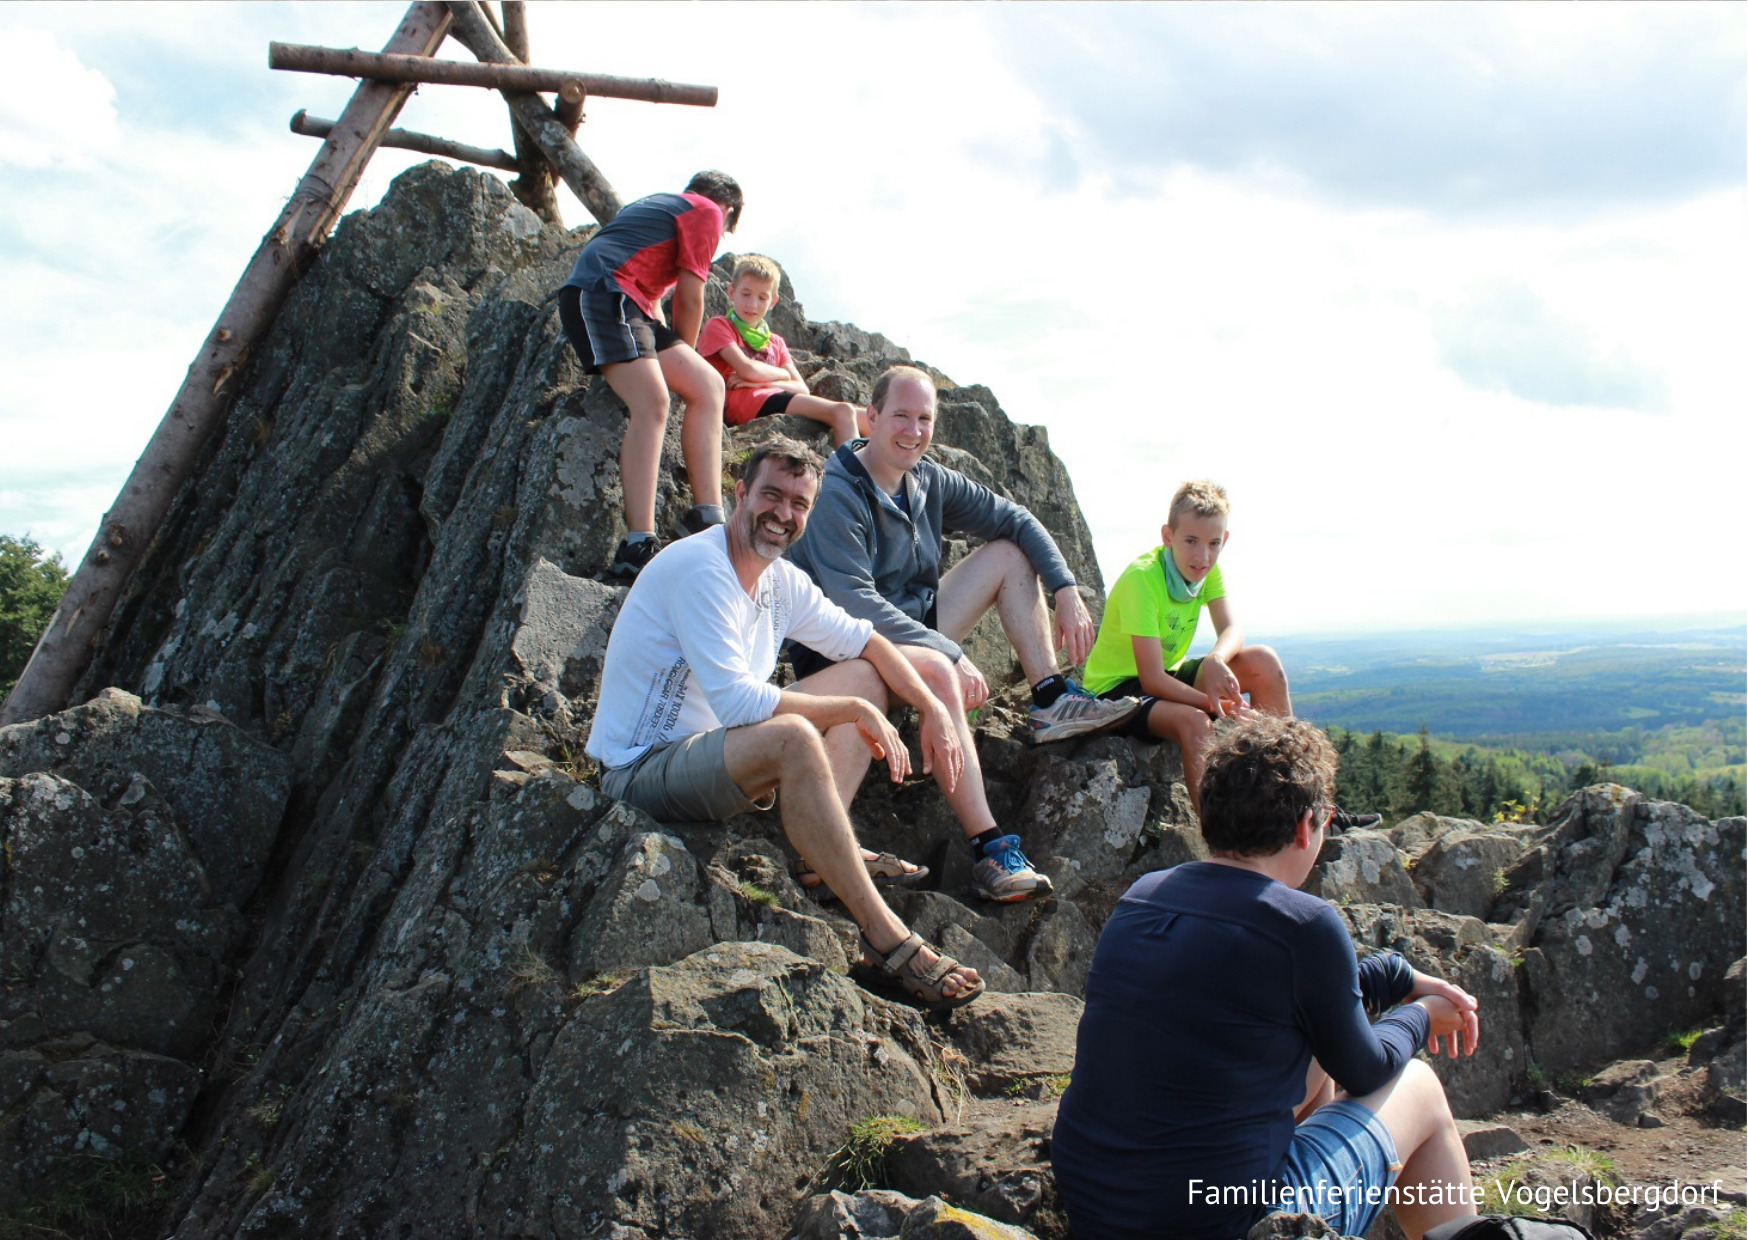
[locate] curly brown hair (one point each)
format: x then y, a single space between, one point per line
1260 778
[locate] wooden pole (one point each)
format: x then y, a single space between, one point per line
577 169
533 185
570 105
495 75
129 526
569 111
407 140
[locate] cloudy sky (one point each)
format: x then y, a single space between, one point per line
1451 298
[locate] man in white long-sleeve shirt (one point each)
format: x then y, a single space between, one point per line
689 727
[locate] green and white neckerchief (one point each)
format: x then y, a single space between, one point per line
1181 591
755 338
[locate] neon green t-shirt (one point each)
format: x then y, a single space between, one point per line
1140 606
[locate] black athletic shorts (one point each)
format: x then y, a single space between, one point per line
605 326
1136 725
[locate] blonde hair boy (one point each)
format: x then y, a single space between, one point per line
754 362
1150 620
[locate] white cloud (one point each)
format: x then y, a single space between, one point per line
1503 338
52 107
1451 108
1164 318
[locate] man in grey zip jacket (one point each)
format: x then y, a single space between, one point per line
873 545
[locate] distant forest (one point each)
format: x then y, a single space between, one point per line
1700 766
1492 724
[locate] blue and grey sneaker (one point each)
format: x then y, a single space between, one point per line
1078 712
1005 875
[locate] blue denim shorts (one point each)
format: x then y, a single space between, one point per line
1339 1165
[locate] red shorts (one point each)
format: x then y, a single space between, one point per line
744 404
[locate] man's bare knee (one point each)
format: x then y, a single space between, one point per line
861 680
1007 554
937 672
790 739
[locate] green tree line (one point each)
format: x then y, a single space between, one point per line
1398 776
31 584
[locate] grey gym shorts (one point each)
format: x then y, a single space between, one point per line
685 781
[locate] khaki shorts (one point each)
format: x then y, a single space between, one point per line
685 781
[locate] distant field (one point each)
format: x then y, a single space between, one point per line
1501 686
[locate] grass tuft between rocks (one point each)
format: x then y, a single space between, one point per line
752 893
860 1162
121 1196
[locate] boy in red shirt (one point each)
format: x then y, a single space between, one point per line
754 361
612 314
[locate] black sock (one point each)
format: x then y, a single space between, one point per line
978 841
1046 691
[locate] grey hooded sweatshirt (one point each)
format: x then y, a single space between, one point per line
883 565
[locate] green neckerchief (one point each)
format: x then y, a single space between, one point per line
1180 590
755 338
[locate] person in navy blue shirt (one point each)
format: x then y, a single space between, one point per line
1226 1065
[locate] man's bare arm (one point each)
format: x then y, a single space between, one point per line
939 738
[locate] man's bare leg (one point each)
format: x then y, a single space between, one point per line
844 749
843 744
787 752
698 384
968 800
998 574
1414 1108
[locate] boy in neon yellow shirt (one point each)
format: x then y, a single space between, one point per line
1150 620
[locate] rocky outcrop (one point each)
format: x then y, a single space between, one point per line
132 839
1630 914
336 901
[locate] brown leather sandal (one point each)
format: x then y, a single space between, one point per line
887 870
925 987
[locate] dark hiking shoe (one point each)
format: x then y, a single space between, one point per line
631 557
1346 820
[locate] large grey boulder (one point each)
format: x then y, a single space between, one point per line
999 1168
1465 951
1462 871
130 836
1018 1038
224 790
1362 867
1637 909
696 1099
72 1100
109 927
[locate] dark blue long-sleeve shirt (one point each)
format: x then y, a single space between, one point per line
1211 990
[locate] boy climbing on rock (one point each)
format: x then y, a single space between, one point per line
754 361
1150 620
611 312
